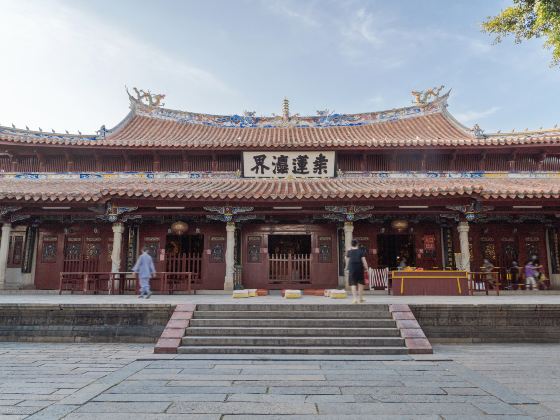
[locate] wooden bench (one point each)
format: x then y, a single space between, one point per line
126 282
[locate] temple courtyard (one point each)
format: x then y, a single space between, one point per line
460 380
119 381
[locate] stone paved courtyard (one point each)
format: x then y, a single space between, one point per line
92 381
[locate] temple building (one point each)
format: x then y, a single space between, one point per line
273 202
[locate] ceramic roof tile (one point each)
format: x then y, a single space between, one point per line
257 190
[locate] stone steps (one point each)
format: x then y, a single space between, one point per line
292 329
293 323
292 307
190 340
305 331
317 350
289 314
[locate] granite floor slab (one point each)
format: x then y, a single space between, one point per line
93 381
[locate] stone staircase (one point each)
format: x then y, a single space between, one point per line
292 329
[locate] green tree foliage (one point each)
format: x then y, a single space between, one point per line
527 19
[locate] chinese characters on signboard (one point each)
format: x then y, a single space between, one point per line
283 164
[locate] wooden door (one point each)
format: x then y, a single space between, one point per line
50 249
153 237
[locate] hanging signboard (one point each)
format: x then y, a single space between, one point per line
278 164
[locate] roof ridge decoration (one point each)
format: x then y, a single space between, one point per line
146 97
20 132
422 97
324 118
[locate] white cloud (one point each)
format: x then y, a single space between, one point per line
59 62
293 11
361 27
474 116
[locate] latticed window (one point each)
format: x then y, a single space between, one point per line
199 163
496 162
467 162
551 163
526 163
28 164
172 163
84 164
112 163
141 163
377 163
5 164
349 162
408 162
55 163
228 163
437 162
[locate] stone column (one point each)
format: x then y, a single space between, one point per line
118 230
230 258
348 231
463 229
4 248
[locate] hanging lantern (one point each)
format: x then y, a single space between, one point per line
178 228
399 224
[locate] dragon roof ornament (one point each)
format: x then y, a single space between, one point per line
422 97
146 97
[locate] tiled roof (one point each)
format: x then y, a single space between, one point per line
425 125
239 189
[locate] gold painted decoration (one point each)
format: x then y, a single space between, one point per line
179 227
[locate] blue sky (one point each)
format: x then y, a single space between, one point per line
65 63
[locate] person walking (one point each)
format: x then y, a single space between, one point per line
356 264
145 268
531 275
514 275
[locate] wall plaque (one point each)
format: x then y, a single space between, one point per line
279 164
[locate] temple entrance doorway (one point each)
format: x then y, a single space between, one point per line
289 259
81 254
183 253
393 247
289 256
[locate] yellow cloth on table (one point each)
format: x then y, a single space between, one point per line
292 294
338 294
240 294
252 292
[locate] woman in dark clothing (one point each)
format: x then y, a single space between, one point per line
356 264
